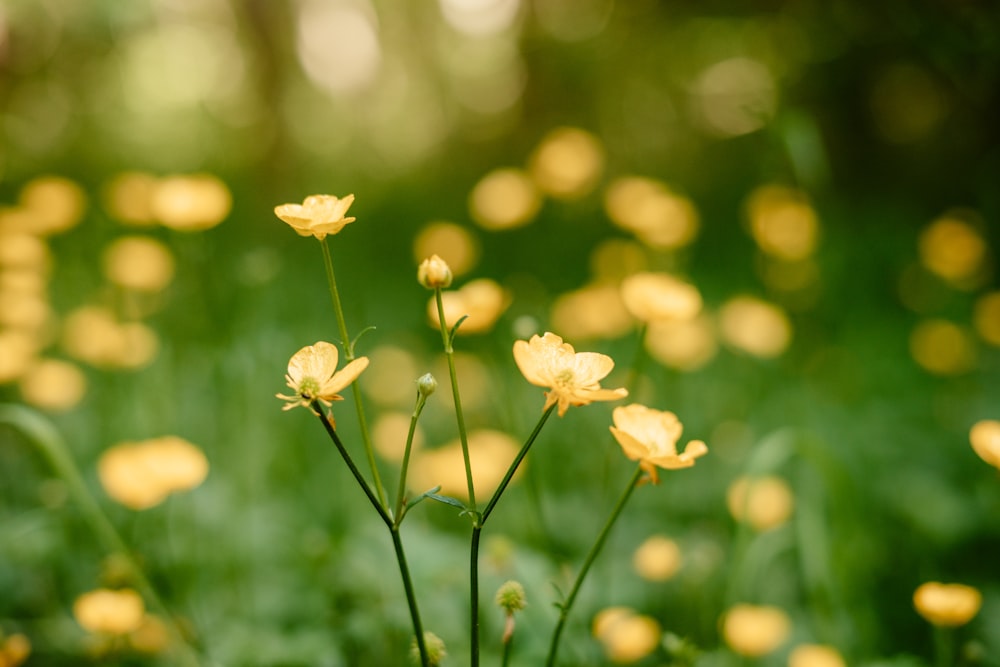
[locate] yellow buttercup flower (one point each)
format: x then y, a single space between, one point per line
434 272
112 612
313 375
573 378
317 216
947 605
650 437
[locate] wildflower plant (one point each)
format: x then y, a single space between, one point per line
570 379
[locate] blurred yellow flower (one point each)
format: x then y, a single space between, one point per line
53 384
764 502
657 559
648 208
954 249
625 635
815 655
573 378
985 438
434 272
782 222
986 318
313 375
682 344
94 335
142 474
943 348
54 204
947 605
453 243
14 650
567 163
491 453
659 296
504 199
754 631
650 437
113 612
593 311
483 300
18 350
191 203
317 216
139 263
755 326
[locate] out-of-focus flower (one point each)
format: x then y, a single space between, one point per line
650 437
986 318
625 635
952 248
313 375
139 263
782 222
93 335
659 217
53 204
614 259
434 273
510 597
593 311
151 636
112 612
129 198
389 433
942 347
686 345
24 311
388 380
52 384
659 296
504 199
143 474
14 650
482 300
18 350
453 243
754 631
755 326
815 655
567 163
573 378
947 605
191 203
763 502
985 438
657 559
22 250
435 650
317 215
491 453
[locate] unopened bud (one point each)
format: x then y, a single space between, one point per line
434 272
510 597
435 650
426 384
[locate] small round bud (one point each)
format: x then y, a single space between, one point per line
426 384
434 272
510 597
435 650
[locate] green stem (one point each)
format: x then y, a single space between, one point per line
517 462
944 649
449 351
401 490
397 543
349 356
591 556
505 659
411 598
43 435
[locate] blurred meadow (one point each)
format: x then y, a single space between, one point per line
780 219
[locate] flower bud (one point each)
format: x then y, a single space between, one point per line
435 650
434 272
510 597
426 384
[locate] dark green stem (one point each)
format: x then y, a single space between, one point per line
944 649
349 356
43 435
386 519
566 606
517 462
401 491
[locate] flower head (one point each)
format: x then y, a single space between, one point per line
650 437
313 376
947 605
573 378
317 216
434 272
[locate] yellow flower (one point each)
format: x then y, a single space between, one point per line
650 437
947 605
573 378
434 272
754 631
317 216
113 612
313 375
985 438
143 474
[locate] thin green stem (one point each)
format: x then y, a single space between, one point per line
411 598
43 435
349 356
505 658
401 490
566 606
516 463
449 351
397 543
944 648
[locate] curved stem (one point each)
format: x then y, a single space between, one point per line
449 351
349 356
591 556
516 463
386 519
43 435
401 490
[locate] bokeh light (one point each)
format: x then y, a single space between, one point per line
986 318
482 300
140 475
985 439
685 345
112 612
763 502
815 655
567 163
138 263
755 326
659 296
54 385
593 311
952 248
626 636
490 451
658 217
782 222
504 199
942 347
658 558
453 243
755 630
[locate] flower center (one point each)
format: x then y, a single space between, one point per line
564 378
309 387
